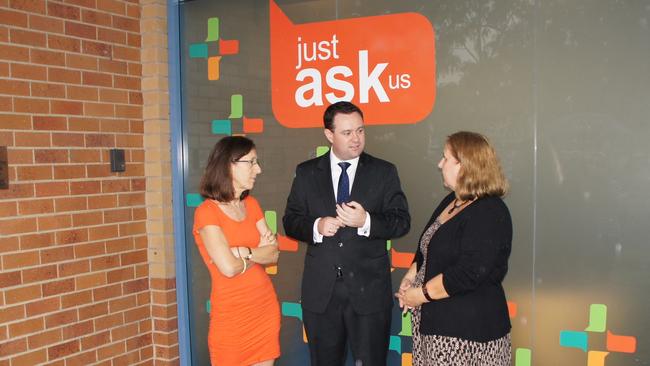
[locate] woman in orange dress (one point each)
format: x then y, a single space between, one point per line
234 241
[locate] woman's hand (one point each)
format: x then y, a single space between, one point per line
268 238
411 298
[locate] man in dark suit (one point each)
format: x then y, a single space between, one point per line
345 205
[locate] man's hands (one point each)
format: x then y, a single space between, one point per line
351 214
328 226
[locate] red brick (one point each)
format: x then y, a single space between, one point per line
62 350
68 140
50 123
95 340
138 342
126 53
134 286
96 48
113 96
61 318
15 122
135 69
10 279
58 254
103 232
76 299
115 185
99 109
105 262
48 90
93 17
28 38
41 273
14 87
6 138
122 304
130 358
32 139
54 222
8 209
81 30
47 57
31 72
87 219
89 250
10 17
58 287
12 313
70 204
23 294
31 6
84 3
120 275
128 24
93 311
51 156
133 228
82 93
85 187
76 235
96 78
63 43
19 260
77 330
112 6
119 245
133 10
135 98
19 191
100 140
107 292
14 53
109 321
37 22
69 172
4 37
127 111
139 184
81 62
85 156
66 107
104 201
13 347
134 40
112 66
32 207
17 226
43 306
4 68
122 215
18 156
29 105
126 82
38 240
113 125
91 280
43 339
32 358
63 11
6 105
26 326
82 359
74 268
63 75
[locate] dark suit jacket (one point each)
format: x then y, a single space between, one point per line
365 262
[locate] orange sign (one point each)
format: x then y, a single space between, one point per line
384 64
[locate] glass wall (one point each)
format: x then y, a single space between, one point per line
561 88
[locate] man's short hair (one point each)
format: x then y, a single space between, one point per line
336 108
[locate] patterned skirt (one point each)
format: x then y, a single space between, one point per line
436 350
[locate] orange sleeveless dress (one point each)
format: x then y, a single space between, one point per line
245 314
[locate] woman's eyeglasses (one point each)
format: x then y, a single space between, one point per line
252 162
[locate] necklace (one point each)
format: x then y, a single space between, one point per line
454 206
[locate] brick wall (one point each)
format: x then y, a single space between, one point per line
75 284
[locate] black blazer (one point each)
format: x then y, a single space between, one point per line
365 262
471 250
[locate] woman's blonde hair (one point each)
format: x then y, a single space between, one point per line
480 172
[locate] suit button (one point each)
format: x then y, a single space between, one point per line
340 245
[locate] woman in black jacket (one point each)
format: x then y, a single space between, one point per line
453 287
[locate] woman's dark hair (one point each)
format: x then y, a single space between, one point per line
216 182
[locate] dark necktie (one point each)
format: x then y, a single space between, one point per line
344 184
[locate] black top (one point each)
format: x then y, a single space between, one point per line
471 250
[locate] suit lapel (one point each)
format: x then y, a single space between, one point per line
324 183
362 179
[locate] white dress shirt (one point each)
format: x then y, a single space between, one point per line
336 174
